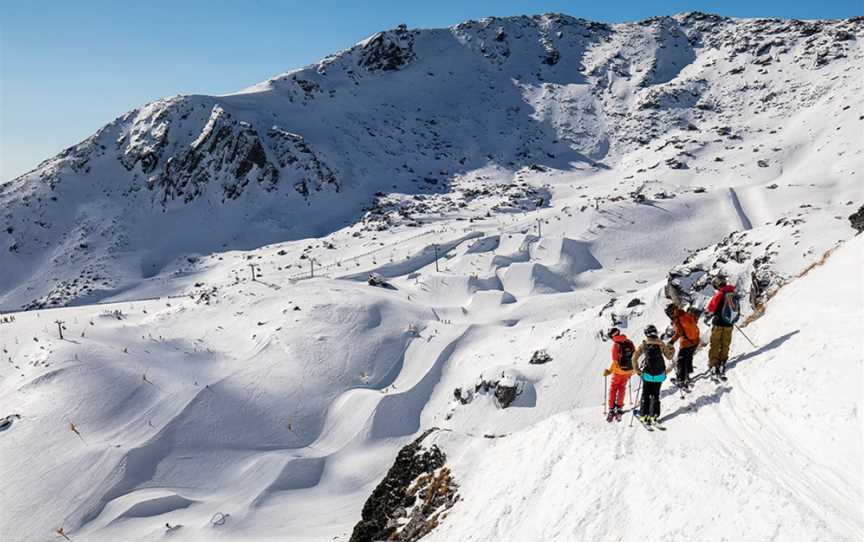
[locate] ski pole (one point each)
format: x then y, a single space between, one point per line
639 395
630 388
746 337
604 394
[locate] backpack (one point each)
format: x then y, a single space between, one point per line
625 355
689 326
654 364
731 310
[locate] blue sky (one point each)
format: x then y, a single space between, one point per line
68 67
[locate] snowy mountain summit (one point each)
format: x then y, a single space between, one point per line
369 299
407 124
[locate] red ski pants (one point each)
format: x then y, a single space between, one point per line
617 389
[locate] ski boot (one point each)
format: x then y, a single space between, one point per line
611 415
715 374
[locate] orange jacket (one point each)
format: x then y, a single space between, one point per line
685 324
614 368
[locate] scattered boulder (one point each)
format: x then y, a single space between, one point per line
506 390
857 219
552 57
376 280
539 357
674 163
6 423
463 396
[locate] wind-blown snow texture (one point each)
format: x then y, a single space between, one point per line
562 170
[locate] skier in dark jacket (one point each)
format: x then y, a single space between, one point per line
653 372
722 312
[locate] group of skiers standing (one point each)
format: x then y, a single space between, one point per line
627 359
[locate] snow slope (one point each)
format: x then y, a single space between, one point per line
774 454
269 409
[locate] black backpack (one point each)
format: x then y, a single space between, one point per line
625 355
654 364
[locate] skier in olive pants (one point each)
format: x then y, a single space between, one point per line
722 316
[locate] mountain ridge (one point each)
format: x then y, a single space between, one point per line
406 112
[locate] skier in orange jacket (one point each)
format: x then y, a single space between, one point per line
621 370
687 335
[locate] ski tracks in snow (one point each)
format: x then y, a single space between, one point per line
774 457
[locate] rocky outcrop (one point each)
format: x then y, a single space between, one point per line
411 499
227 151
434 494
294 154
505 388
747 263
388 51
143 144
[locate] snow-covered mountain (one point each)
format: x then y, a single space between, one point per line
408 123
518 185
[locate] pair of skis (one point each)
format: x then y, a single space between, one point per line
648 423
651 425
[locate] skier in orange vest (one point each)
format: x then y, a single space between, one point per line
687 335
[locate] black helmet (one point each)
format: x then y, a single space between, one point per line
651 331
719 281
613 332
670 309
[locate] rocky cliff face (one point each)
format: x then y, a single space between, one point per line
408 115
227 150
413 497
